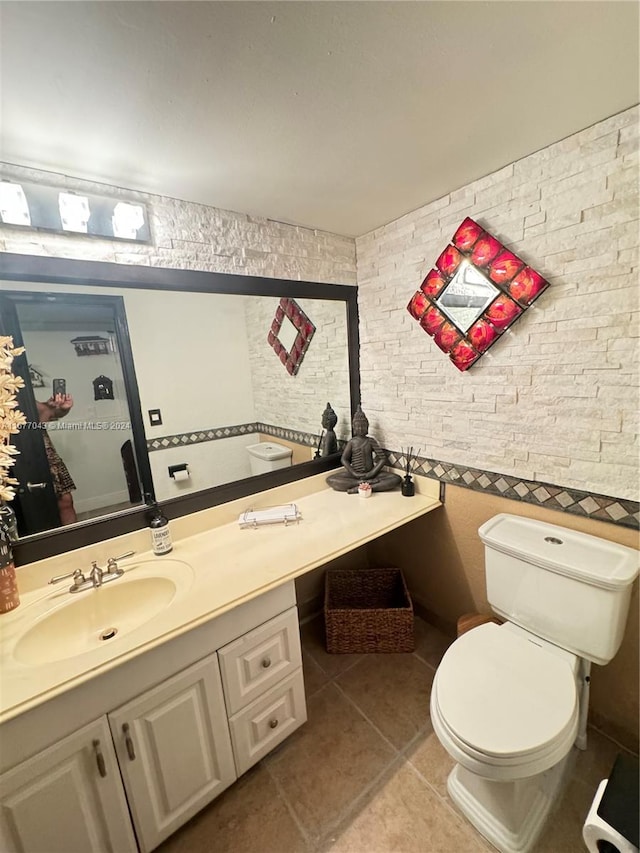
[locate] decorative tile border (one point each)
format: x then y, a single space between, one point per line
199 436
587 504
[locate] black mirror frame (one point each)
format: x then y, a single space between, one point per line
41 269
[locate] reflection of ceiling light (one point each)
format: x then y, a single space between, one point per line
74 212
14 209
127 219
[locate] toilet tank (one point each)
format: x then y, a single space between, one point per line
566 587
268 456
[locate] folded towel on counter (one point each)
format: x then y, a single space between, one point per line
270 515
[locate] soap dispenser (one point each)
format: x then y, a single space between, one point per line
159 526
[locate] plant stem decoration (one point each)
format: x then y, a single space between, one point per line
408 487
11 418
411 460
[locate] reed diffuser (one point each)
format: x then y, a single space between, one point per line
408 486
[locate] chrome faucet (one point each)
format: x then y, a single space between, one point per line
97 576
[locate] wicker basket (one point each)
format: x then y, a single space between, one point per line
367 610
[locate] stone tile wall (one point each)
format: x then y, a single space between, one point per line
556 399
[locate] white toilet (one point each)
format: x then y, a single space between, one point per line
268 456
509 701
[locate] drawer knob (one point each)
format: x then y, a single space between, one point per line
273 724
266 663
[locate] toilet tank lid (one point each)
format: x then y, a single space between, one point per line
567 552
267 451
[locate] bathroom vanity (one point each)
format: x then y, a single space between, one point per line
111 745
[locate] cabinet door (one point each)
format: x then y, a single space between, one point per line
67 799
174 750
260 659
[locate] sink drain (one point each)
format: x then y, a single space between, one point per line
108 633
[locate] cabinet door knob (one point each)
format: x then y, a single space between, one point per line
128 742
273 724
266 663
102 767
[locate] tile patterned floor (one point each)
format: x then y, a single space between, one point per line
366 773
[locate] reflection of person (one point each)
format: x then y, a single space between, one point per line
363 460
55 408
329 442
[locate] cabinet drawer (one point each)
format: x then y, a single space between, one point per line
265 723
260 659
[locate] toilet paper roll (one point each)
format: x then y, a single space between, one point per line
181 476
597 830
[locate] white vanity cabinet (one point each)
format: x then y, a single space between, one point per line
67 799
174 750
154 740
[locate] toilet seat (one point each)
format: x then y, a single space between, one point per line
501 700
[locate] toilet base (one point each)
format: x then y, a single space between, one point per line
510 815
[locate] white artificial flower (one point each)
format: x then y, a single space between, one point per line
10 416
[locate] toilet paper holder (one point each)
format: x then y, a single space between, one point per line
177 469
612 823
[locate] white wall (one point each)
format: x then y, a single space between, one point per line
211 463
556 399
191 359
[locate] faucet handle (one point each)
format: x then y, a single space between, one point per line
123 556
77 575
112 562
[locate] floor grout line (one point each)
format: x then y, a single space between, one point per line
371 723
355 802
446 802
285 799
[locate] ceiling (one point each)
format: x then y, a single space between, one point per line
340 116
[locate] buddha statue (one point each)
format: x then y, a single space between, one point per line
363 461
329 442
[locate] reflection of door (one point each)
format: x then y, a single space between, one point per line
54 328
35 503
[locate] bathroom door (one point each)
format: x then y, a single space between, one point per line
35 503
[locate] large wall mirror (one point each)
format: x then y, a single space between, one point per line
174 382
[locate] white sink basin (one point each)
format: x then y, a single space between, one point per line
94 618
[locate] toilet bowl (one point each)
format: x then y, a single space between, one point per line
506 708
508 702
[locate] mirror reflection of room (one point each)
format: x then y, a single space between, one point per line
204 367
221 388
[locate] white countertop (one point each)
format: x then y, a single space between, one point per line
228 566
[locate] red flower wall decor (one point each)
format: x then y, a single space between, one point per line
476 291
292 357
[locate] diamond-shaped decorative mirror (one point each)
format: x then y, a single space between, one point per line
476 291
290 334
